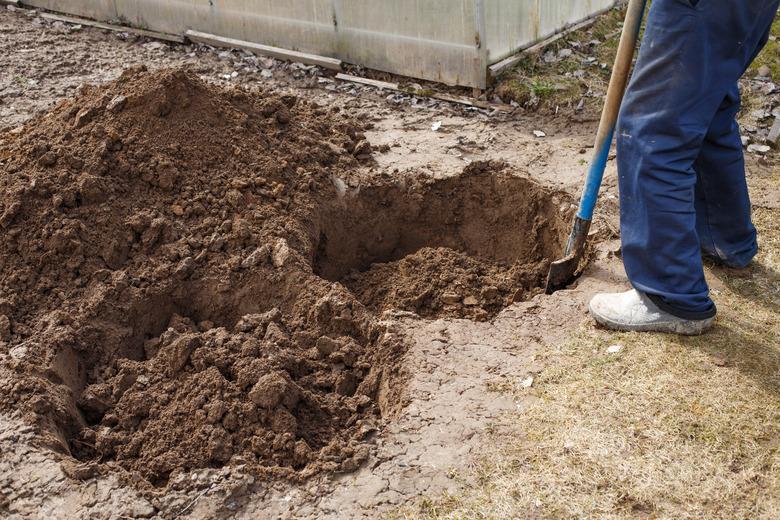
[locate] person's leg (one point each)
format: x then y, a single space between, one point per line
689 62
723 211
723 216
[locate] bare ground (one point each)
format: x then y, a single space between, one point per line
524 415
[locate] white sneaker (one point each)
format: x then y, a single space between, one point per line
634 311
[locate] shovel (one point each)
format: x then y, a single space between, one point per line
562 272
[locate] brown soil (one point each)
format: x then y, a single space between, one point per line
172 252
468 246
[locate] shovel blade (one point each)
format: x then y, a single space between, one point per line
563 271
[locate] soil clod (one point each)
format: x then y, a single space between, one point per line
189 280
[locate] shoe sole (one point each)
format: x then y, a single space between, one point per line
683 328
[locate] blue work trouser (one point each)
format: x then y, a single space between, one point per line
680 162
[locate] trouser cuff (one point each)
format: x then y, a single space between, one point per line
684 314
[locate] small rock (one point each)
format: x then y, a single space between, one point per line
539 133
184 269
614 349
256 257
527 382
84 116
565 53
117 104
155 46
774 134
758 148
764 71
760 114
450 298
280 253
341 186
18 352
435 126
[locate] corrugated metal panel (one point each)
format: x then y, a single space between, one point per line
515 24
443 40
96 9
303 25
432 39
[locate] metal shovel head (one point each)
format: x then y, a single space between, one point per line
563 271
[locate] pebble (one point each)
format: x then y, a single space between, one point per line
450 298
116 104
18 352
774 133
764 71
257 257
758 148
614 349
280 253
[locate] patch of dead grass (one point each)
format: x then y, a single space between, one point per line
669 427
520 84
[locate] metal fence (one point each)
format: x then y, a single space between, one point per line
451 41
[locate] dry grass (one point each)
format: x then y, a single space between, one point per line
770 56
537 84
667 428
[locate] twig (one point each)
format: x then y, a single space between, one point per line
193 501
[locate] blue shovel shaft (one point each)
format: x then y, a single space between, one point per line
595 176
609 117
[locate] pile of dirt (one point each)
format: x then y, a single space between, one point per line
158 305
191 275
442 282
